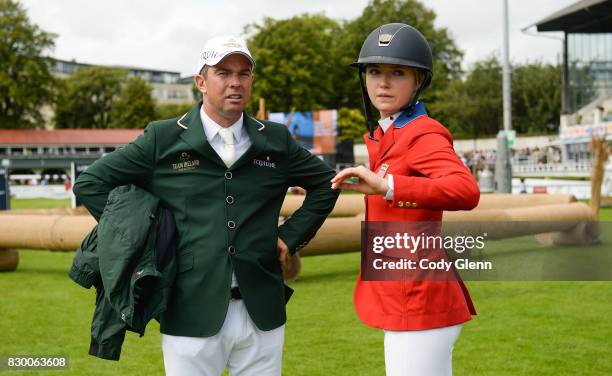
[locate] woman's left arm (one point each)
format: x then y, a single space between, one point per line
438 180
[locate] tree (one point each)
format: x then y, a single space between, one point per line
134 108
25 81
351 125
304 62
295 62
86 97
447 57
536 98
171 110
473 107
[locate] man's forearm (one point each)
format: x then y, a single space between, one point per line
92 192
298 230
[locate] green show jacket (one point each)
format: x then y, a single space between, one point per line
130 259
227 218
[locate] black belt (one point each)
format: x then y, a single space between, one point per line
235 293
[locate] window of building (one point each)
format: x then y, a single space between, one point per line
590 68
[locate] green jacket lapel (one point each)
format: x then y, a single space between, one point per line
256 131
194 135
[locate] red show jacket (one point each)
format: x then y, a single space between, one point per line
428 178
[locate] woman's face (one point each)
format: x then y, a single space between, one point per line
390 87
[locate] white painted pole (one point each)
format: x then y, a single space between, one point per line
503 168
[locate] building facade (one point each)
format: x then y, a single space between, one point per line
587 75
167 86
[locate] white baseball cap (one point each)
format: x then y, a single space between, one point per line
221 46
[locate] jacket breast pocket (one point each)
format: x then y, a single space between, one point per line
185 261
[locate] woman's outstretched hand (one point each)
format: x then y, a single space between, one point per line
369 182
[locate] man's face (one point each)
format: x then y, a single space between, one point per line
226 87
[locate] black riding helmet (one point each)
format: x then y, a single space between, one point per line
399 44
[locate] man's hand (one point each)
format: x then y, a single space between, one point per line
369 182
290 265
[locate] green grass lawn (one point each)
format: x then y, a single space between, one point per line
523 328
39 203
605 214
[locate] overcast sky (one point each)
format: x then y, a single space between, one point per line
168 35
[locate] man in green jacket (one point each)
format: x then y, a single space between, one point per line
224 174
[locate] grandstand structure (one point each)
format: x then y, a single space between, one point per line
587 74
32 153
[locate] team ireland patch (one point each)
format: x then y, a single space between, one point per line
185 162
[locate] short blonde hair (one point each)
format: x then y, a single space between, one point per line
419 76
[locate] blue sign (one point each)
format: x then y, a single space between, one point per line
300 124
315 131
5 197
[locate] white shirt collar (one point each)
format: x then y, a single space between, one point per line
211 128
386 122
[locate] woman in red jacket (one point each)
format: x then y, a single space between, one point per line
414 175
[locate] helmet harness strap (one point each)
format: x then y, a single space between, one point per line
367 106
